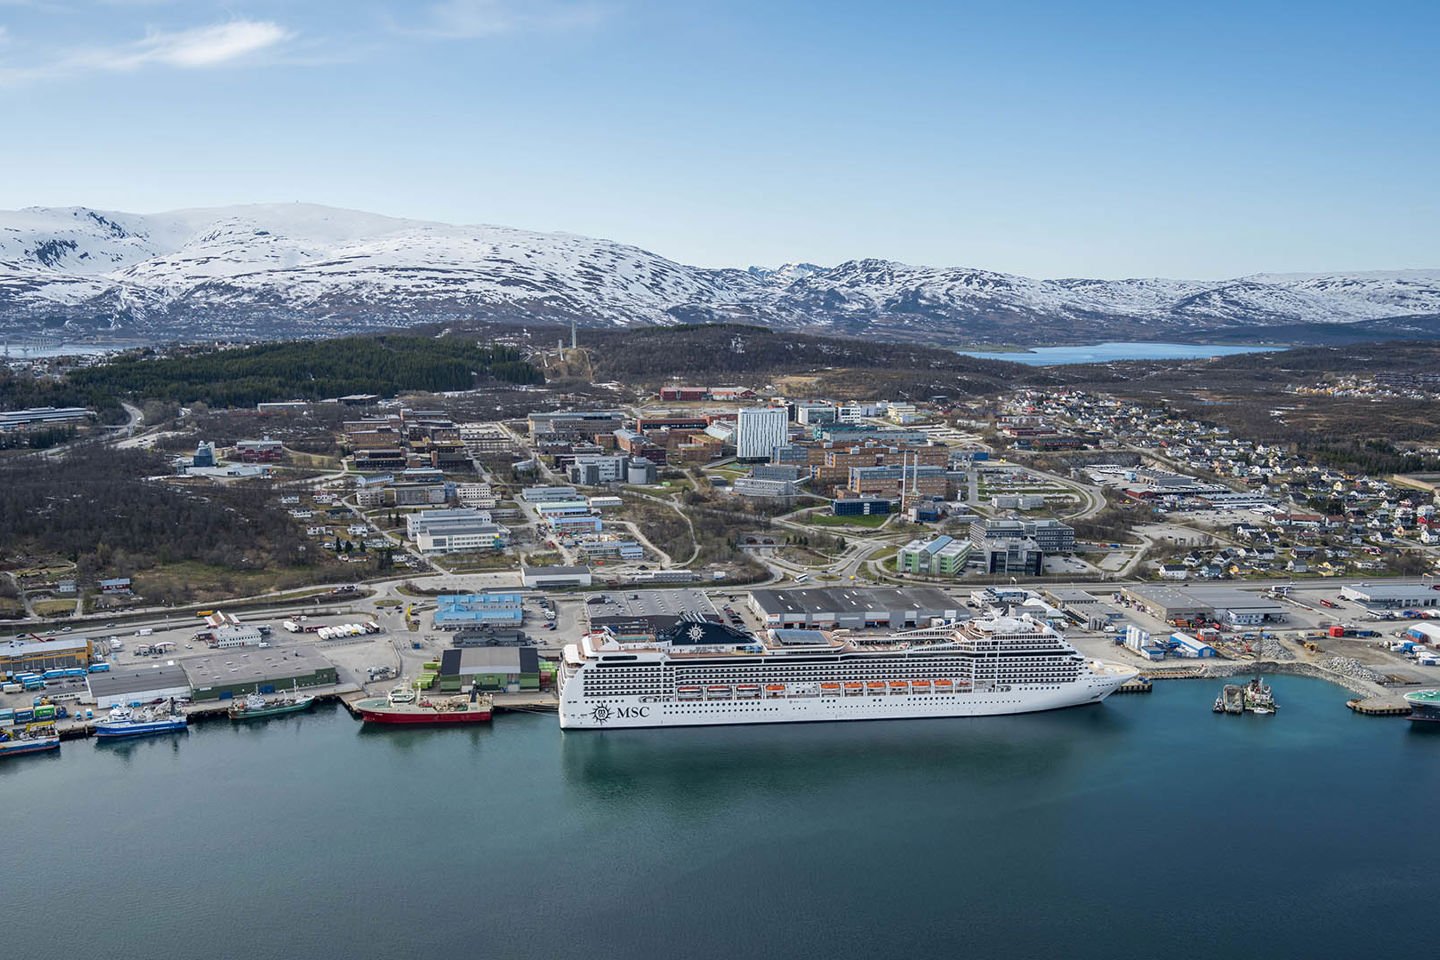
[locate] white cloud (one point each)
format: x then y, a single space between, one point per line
469 19
201 47
198 48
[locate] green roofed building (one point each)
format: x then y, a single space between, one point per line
941 557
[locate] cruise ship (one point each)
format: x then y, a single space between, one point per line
698 673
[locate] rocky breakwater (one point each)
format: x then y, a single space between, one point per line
1373 696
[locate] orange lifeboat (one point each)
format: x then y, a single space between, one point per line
830 687
774 688
899 686
944 686
921 685
876 686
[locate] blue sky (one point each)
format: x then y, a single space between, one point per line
1047 138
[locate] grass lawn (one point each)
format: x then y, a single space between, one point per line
871 521
313 461
53 608
885 555
10 607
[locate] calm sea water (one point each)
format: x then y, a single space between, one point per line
1144 828
1106 352
24 349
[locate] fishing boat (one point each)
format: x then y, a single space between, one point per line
403 706
33 738
257 707
124 721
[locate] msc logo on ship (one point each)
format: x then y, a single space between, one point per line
603 714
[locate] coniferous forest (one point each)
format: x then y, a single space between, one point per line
309 370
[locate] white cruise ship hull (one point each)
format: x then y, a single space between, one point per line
600 713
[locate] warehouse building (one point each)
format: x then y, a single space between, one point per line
1169 603
828 608
40 416
1237 607
490 668
138 684
37 656
540 578
240 673
1407 596
457 611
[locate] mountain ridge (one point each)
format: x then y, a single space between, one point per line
269 270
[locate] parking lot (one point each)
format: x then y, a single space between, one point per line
650 603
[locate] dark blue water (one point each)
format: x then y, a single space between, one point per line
1115 350
1144 828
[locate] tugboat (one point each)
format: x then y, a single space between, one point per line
403 706
257 707
125 722
34 738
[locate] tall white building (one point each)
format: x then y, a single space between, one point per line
759 430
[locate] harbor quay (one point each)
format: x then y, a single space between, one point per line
367 646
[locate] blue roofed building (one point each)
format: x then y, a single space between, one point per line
458 611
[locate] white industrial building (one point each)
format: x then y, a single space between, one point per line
539 578
1398 595
757 487
759 430
459 530
138 684
239 635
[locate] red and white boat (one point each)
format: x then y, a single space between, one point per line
404 705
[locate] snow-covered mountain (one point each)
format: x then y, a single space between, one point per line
299 269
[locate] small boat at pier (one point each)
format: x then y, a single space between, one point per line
32 738
403 706
124 721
